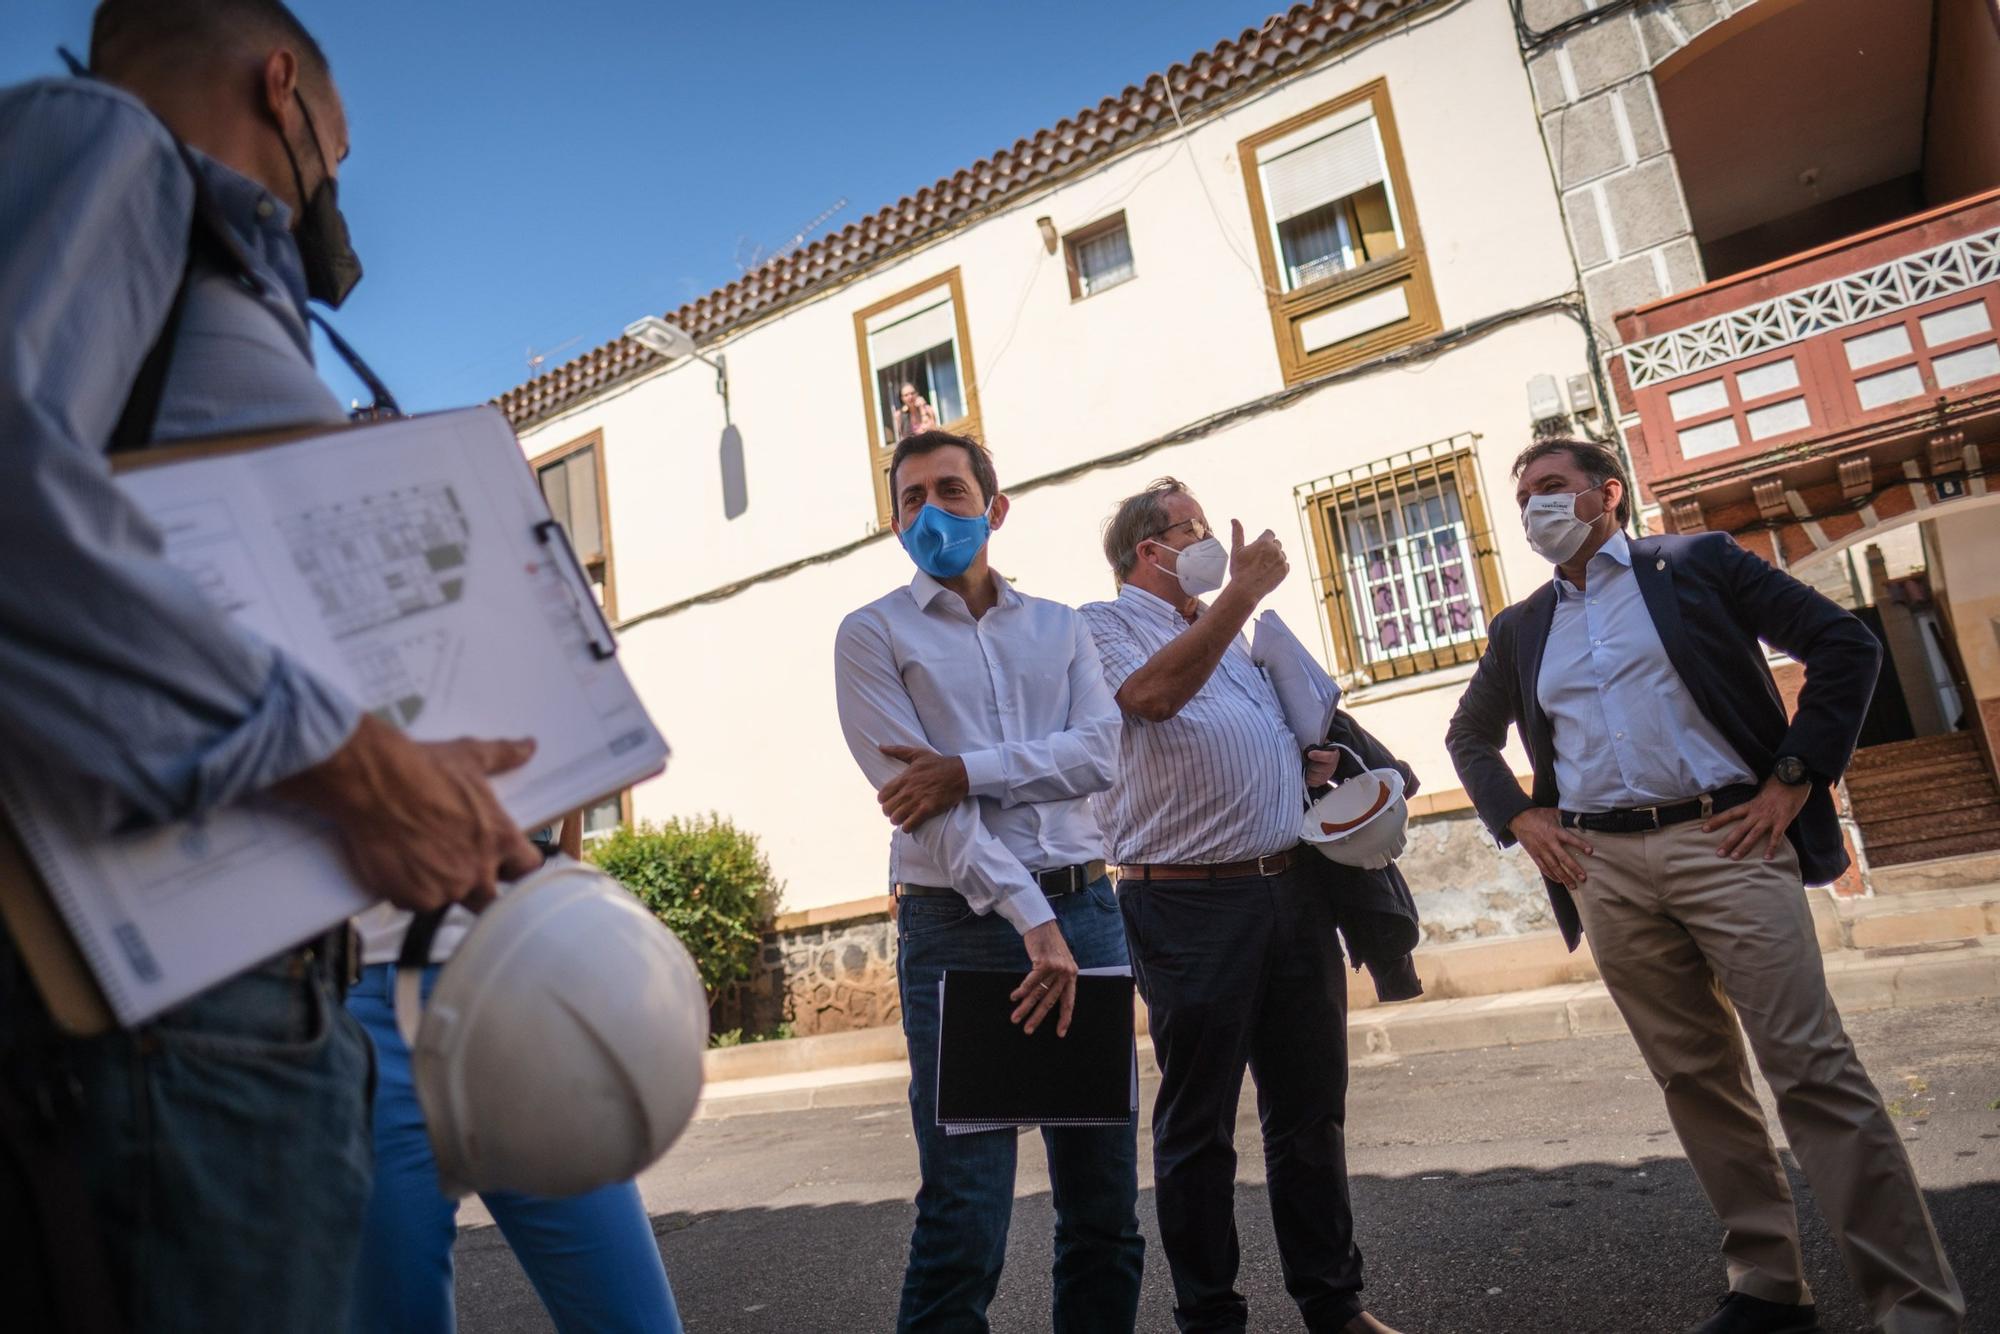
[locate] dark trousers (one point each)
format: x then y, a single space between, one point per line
1236 973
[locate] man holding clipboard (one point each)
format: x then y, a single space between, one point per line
982 719
161 227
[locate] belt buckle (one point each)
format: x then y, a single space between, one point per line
1269 857
1652 814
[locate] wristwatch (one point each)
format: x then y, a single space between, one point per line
1790 770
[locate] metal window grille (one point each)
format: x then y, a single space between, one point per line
1406 570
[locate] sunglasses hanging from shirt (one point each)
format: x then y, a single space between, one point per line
210 238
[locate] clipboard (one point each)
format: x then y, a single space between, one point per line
75 1001
78 1003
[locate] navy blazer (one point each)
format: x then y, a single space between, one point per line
1712 602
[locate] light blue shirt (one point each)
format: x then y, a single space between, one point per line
115 670
1627 733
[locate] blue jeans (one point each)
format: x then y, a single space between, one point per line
966 1200
592 1258
225 1151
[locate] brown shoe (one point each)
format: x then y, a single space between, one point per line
1366 1324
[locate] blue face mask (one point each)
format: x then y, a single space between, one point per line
943 544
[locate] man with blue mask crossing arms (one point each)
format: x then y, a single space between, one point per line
1676 810
981 718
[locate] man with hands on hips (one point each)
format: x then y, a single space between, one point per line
1233 939
982 719
1676 812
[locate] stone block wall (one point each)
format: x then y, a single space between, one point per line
820 976
1466 887
829 972
1600 114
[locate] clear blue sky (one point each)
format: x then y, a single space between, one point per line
538 175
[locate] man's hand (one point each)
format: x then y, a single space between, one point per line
1050 985
1540 831
1321 765
932 784
419 821
1258 567
1762 819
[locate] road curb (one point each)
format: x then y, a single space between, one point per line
1859 980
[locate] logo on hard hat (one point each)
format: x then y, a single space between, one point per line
1345 826
1360 822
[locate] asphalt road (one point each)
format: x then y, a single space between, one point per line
1527 1189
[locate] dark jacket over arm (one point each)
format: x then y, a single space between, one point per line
1377 914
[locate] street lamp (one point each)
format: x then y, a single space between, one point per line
671 341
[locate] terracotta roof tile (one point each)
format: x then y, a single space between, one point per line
1208 79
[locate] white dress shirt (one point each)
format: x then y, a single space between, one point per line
1019 696
1221 781
1627 733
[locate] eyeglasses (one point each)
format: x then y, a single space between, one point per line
1196 529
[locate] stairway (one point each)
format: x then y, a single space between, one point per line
1924 799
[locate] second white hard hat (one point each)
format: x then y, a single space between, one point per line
1362 821
561 1048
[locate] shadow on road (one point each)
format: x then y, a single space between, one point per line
1590 1248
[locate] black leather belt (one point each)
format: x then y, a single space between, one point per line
1645 819
1055 883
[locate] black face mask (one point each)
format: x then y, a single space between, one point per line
332 267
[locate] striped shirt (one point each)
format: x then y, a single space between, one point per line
1220 781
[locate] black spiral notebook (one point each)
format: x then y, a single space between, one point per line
992 1074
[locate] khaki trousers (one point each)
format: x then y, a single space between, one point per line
1688 943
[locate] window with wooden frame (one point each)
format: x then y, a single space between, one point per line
604 817
916 372
572 481
1337 237
1406 569
1098 256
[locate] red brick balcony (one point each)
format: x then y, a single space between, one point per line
1833 390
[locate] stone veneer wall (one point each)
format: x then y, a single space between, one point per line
1466 887
821 977
1600 113
832 976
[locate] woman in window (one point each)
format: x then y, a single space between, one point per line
916 415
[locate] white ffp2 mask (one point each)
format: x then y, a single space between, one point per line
1554 531
1202 567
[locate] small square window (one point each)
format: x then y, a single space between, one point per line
1098 257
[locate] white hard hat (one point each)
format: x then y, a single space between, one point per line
561 1048
1362 821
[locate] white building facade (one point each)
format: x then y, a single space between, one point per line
1311 273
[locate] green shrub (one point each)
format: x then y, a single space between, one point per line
707 880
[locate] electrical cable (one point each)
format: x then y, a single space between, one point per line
1570 304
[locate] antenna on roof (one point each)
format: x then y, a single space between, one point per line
799 236
536 359
749 256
